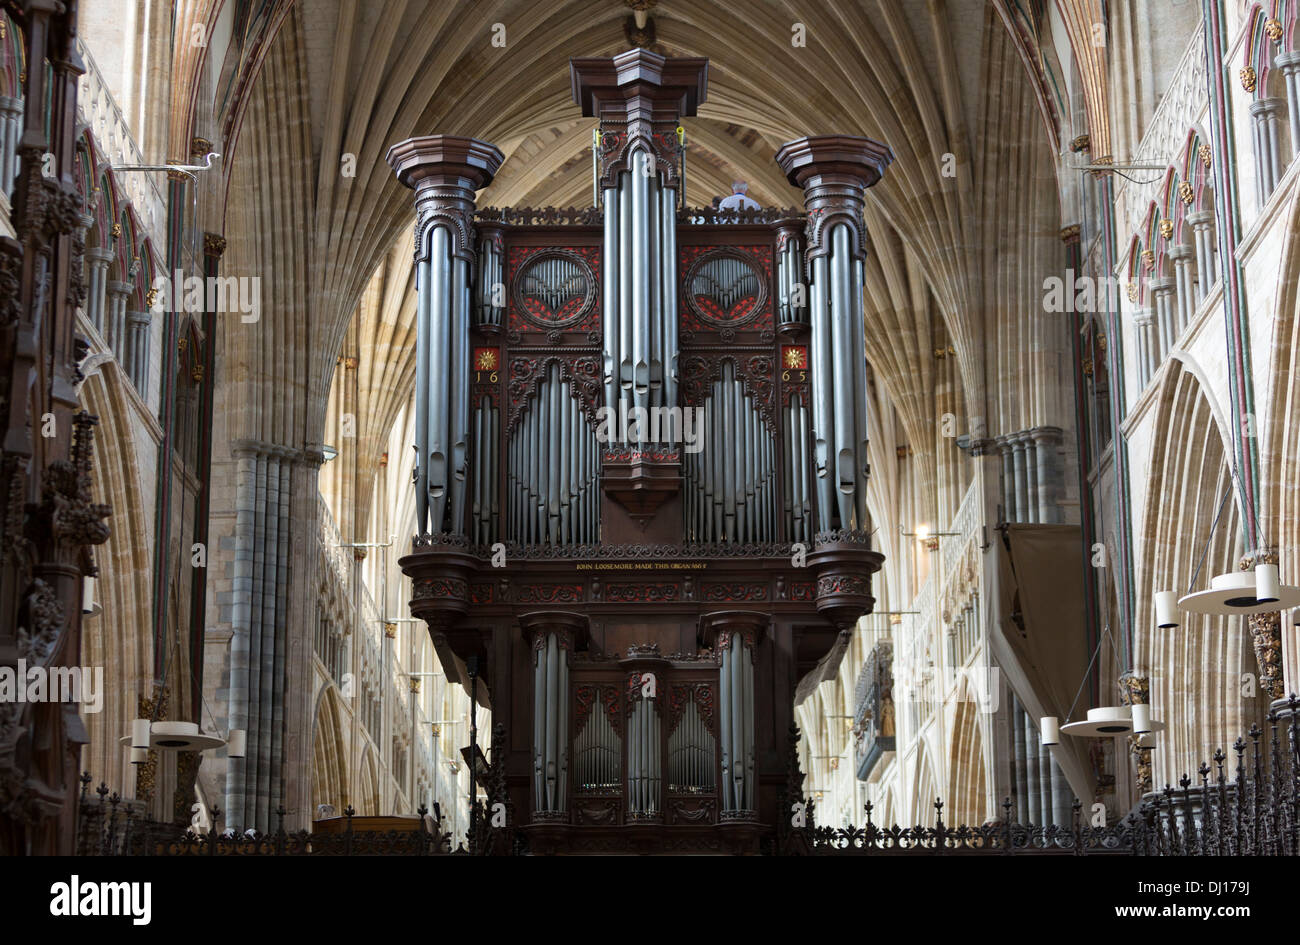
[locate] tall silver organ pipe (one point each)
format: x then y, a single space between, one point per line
452 461
822 387
442 386
598 751
643 767
553 472
640 290
731 482
798 503
839 382
550 725
834 172
791 307
489 287
736 725
485 513
690 752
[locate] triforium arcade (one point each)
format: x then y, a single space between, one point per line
642 467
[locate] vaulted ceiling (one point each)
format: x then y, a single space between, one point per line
964 224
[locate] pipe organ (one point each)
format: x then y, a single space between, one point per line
641 466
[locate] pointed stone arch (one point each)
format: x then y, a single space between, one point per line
967 797
329 779
1195 670
120 638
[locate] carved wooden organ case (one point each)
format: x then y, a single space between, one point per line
641 466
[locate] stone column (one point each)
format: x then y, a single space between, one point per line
11 132
115 317
1047 441
1144 333
137 351
1142 346
1033 776
1183 257
1162 292
262 673
1045 766
1020 758
1008 478
1022 484
1289 63
1202 224
1031 477
1266 114
97 263
1061 796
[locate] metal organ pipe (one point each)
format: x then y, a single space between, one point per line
422 343
550 723
625 287
539 729
843 458
861 467
641 249
553 471
552 699
654 308
736 725
640 292
439 377
459 381
823 384
445 171
739 769
725 742
668 296
731 482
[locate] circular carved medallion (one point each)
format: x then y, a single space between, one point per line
555 289
726 288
